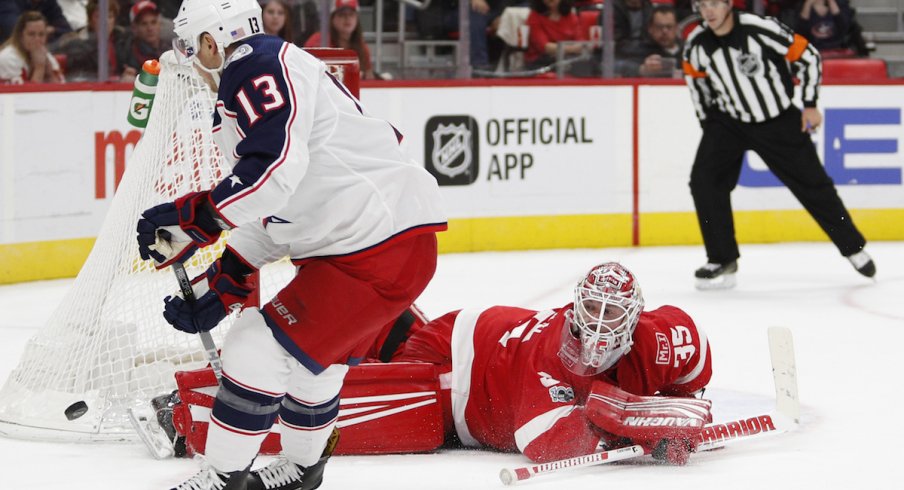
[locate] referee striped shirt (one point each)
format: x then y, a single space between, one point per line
746 73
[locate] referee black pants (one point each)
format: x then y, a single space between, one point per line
789 154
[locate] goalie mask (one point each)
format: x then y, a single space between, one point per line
599 330
228 21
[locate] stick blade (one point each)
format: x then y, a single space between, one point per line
784 371
144 421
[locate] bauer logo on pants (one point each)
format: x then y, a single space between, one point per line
451 145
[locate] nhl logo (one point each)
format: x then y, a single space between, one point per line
451 154
749 65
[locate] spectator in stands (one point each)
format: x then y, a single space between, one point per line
345 32
278 20
827 25
12 10
630 19
551 21
74 11
167 9
24 56
145 42
660 54
80 47
483 19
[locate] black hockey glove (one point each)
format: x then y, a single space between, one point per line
224 291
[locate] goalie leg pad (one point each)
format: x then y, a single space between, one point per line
384 409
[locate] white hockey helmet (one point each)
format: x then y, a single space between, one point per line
228 21
599 330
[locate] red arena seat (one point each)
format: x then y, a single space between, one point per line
859 69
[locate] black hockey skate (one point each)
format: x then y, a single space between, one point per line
716 276
863 263
282 474
210 479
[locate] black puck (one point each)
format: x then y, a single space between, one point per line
76 410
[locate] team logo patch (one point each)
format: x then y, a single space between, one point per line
663 348
452 152
239 53
561 394
749 64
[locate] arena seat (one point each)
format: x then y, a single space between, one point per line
854 69
588 19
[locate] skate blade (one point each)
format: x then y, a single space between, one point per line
151 434
725 281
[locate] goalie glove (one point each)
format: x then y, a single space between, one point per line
225 290
668 427
172 232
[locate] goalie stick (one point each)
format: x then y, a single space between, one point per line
784 418
145 419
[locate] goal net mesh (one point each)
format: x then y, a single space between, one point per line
106 346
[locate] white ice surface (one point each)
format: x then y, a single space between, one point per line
848 333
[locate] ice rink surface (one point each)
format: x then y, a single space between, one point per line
848 334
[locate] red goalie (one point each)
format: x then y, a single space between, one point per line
551 384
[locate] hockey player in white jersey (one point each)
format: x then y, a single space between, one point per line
314 178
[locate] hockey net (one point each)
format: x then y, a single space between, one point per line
106 348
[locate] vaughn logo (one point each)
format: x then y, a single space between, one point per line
451 149
662 422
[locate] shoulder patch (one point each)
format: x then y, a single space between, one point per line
561 394
239 53
663 348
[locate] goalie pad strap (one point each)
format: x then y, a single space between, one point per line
397 334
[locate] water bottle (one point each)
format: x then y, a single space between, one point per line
143 94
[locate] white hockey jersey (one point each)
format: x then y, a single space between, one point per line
313 174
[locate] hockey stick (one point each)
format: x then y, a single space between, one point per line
206 339
786 416
510 476
143 419
714 436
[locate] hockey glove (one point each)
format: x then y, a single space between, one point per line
225 290
172 232
676 451
668 427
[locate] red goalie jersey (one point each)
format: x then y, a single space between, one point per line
510 391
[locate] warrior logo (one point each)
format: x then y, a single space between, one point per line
749 64
561 394
451 149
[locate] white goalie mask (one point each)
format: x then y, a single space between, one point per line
228 21
599 330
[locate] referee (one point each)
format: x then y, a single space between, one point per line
738 68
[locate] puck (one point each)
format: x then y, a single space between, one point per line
76 410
